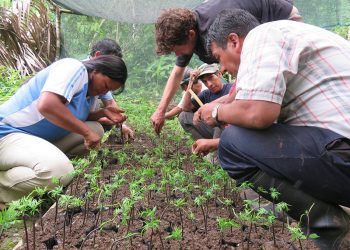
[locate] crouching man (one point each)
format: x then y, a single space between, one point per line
290 120
217 86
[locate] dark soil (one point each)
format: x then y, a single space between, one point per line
86 232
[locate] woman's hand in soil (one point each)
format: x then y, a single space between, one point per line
114 115
92 140
204 146
128 133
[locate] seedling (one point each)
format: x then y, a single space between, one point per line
274 195
55 194
224 223
40 192
176 234
26 207
227 203
179 204
151 223
199 201
282 207
296 234
307 214
7 218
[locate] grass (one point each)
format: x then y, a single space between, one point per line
14 235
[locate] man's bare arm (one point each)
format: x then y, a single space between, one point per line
245 113
172 85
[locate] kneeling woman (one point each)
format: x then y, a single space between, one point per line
49 116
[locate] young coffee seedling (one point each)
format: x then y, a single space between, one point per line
224 223
176 234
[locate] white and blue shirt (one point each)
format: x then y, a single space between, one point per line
67 78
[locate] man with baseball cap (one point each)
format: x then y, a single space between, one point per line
217 86
196 87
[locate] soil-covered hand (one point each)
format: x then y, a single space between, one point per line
157 120
92 140
114 115
128 133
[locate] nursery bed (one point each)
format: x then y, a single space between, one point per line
173 195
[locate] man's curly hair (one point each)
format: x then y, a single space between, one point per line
172 28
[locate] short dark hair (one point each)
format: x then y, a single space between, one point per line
230 21
107 47
111 66
172 28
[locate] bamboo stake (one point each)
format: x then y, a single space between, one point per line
189 89
196 97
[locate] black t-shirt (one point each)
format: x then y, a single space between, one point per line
263 10
206 96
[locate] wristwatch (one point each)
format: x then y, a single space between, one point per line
214 113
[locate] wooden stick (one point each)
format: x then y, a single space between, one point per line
189 89
200 103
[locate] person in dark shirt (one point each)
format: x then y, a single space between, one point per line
184 32
217 86
197 88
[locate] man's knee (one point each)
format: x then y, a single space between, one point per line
233 138
233 148
186 120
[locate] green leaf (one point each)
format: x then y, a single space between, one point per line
313 236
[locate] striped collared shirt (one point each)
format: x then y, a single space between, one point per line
304 68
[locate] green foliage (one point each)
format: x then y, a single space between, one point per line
324 13
70 201
10 80
124 210
224 223
25 206
27 37
341 31
282 206
199 200
179 203
151 222
56 192
136 40
176 234
5 3
274 193
8 217
40 191
296 233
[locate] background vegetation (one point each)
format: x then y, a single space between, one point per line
146 69
147 72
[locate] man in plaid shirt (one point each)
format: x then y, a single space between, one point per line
290 120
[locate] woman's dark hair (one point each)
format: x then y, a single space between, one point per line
111 66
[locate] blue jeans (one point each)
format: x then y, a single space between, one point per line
315 160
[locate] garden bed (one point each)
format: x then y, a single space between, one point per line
152 193
168 209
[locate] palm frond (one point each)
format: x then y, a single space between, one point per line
27 38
